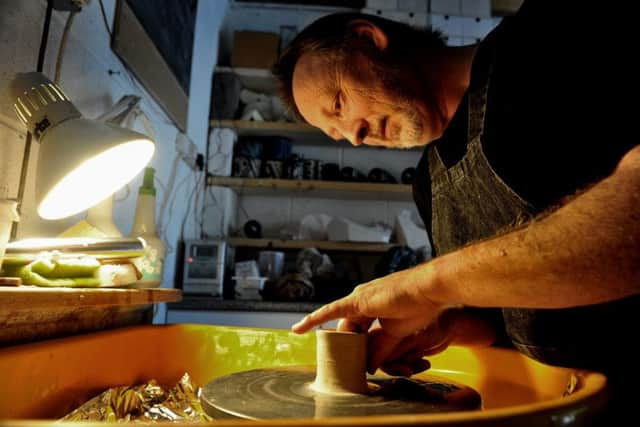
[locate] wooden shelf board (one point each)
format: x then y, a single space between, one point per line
251 125
299 133
328 189
318 244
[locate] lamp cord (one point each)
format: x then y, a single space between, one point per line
45 36
27 142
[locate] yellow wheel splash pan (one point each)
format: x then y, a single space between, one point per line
44 381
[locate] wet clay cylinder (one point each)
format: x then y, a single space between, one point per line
341 363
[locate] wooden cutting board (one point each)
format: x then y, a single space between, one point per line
10 281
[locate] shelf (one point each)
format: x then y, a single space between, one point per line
261 128
209 303
297 132
324 245
321 189
300 133
30 313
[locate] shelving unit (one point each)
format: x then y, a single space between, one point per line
359 259
326 189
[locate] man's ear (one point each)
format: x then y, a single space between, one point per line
370 31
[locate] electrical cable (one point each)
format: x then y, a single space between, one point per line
216 153
105 20
63 45
218 140
167 194
174 198
244 211
45 36
217 205
186 215
198 213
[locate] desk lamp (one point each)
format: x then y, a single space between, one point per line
81 162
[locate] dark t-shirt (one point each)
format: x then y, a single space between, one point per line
560 80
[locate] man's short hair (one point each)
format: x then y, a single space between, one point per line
331 36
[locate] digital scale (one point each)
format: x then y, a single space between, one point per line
204 266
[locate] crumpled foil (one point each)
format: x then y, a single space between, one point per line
144 402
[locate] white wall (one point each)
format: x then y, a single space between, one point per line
86 80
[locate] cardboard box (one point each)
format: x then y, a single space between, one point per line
254 49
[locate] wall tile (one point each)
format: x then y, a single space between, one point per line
414 5
476 8
450 25
382 4
446 7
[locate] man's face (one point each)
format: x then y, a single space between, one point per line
364 101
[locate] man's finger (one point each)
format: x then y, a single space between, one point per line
380 345
335 310
358 324
405 368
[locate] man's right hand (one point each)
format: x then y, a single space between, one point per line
396 303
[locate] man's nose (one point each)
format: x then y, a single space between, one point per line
355 132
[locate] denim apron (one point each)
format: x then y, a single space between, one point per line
468 202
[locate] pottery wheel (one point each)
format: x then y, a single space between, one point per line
286 393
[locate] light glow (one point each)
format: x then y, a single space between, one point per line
96 179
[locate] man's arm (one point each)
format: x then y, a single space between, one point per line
586 252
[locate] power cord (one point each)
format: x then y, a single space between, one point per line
105 20
63 45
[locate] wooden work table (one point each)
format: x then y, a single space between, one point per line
29 313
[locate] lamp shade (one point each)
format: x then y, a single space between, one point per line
81 161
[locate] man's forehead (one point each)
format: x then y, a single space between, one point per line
314 74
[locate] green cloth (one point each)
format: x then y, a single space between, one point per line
53 272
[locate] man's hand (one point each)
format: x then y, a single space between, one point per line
397 305
406 358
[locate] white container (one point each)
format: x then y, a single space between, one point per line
247 269
248 288
249 282
8 215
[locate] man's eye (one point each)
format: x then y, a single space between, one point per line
337 106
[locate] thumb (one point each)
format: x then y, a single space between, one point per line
380 345
385 339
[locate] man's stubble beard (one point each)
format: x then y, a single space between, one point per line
397 78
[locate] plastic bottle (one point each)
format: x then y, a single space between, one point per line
8 215
152 262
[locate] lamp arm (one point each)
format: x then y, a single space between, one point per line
146 123
119 112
